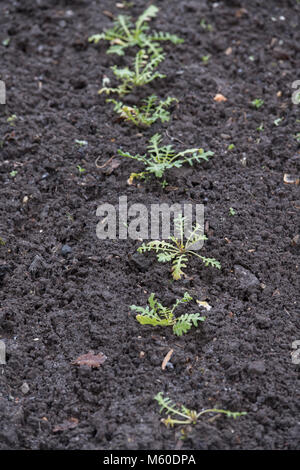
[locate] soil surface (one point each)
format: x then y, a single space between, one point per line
59 302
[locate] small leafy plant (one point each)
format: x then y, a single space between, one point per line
6 42
187 416
141 73
162 158
260 128
277 121
205 58
158 315
81 143
80 169
177 250
12 119
206 26
144 116
125 34
257 103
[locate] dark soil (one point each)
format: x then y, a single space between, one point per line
56 305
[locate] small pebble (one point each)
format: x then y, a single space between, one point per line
246 278
257 367
38 264
25 388
66 250
142 263
169 365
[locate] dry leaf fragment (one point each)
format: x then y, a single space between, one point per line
290 179
281 54
204 304
90 359
65 425
239 13
108 13
110 165
113 165
219 98
166 359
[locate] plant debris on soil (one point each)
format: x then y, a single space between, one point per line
64 292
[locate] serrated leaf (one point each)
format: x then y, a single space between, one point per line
178 263
96 38
141 310
185 322
150 12
147 320
164 257
152 301
211 262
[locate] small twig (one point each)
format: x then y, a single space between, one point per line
166 359
105 164
173 138
211 420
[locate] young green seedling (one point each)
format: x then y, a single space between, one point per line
81 170
6 42
177 250
141 73
257 103
205 58
277 121
187 416
12 119
158 315
206 26
260 128
125 34
147 114
162 158
81 143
